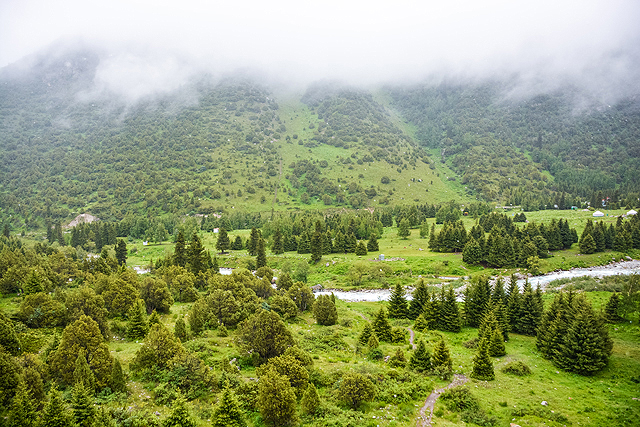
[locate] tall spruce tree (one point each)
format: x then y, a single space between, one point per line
22 410
611 309
372 244
179 251
398 303
482 364
381 326
310 402
138 323
477 299
277 246
197 256
252 244
223 243
316 247
420 297
179 416
227 412
84 413
261 254
82 374
529 312
420 360
365 334
276 399
55 414
449 314
121 252
117 382
441 363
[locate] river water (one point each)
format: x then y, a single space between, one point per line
625 267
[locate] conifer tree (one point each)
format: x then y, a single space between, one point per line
364 336
261 255
472 252
403 229
398 303
223 243
58 234
180 330
22 411
304 243
398 360
310 400
420 360
327 243
197 257
586 346
431 312
496 344
276 399
381 326
277 246
316 247
55 414
179 251
138 324
449 314
373 342
252 244
424 230
529 311
154 318
482 364
611 309
83 411
588 245
227 412
552 327
103 419
441 361
117 382
361 248
179 416
350 243
82 374
324 311
420 297
8 337
372 244
477 299
121 252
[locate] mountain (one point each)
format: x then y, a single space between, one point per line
70 143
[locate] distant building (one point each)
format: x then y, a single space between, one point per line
598 214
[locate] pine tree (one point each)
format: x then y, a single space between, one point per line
276 399
121 252
587 245
496 344
252 244
316 247
261 256
197 259
310 402
327 244
117 381
482 365
277 246
361 249
611 309
398 303
364 336
223 243
586 346
83 411
154 317
58 234
420 297
138 324
180 252
441 361
82 374
55 414
420 360
22 412
403 229
472 252
179 416
324 311
180 330
529 311
398 360
8 337
381 326
424 229
372 244
477 299
373 342
350 243
449 314
227 412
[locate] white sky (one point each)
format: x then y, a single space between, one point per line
359 41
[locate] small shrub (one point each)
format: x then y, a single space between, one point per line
516 368
472 343
460 399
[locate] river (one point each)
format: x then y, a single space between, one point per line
624 267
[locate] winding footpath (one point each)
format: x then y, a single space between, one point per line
424 421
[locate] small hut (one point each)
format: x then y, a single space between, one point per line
598 214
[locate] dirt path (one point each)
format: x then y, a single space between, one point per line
411 337
424 421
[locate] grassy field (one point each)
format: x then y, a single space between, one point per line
406 259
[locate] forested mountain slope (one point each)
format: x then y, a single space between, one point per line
525 149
